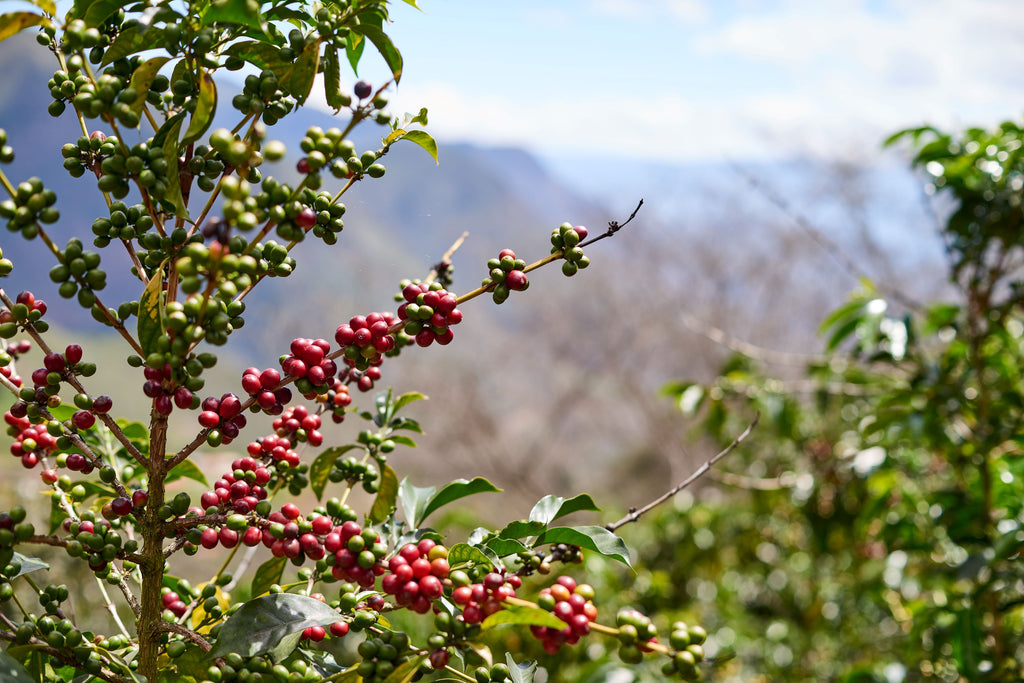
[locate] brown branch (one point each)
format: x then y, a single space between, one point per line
187 633
614 227
635 514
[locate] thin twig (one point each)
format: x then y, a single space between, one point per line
187 633
614 226
635 514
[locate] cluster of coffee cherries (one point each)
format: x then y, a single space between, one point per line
78 273
96 542
234 667
573 604
31 203
309 364
566 239
263 385
480 600
27 309
223 418
358 553
416 575
261 96
239 490
6 151
382 653
337 399
31 442
365 340
125 222
505 275
160 387
354 471
8 355
429 313
329 150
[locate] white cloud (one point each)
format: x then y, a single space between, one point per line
687 11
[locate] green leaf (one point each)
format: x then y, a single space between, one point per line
131 40
595 538
234 12
407 398
263 622
267 574
28 565
206 106
520 673
503 547
169 143
406 423
549 508
522 529
101 10
387 496
13 22
321 468
151 312
384 46
186 469
530 616
143 77
332 80
461 553
420 117
460 488
354 50
420 137
11 671
414 500
407 670
299 78
404 440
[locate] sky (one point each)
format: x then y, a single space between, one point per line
686 80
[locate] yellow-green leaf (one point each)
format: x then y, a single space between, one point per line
532 616
202 117
142 78
13 22
151 319
387 496
299 79
424 140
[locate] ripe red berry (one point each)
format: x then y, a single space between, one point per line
291 510
306 218
121 506
139 498
339 629
102 404
73 353
83 419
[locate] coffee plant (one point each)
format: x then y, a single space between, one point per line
874 531
202 226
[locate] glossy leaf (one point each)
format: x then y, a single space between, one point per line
460 488
267 574
14 22
101 10
169 143
354 46
151 310
595 538
387 496
298 80
407 398
260 624
530 616
384 46
549 508
462 553
332 80
242 12
206 107
142 78
129 41
503 547
520 673
414 500
28 565
522 529
186 469
320 470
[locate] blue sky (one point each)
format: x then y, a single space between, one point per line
678 80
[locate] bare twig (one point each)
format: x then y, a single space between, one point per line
819 238
723 338
187 633
614 226
635 514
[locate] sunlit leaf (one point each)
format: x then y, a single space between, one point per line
460 488
384 46
320 470
298 80
129 41
520 673
531 616
142 78
206 106
387 496
595 538
186 469
101 10
13 22
407 398
242 12
462 553
549 508
151 309
406 671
